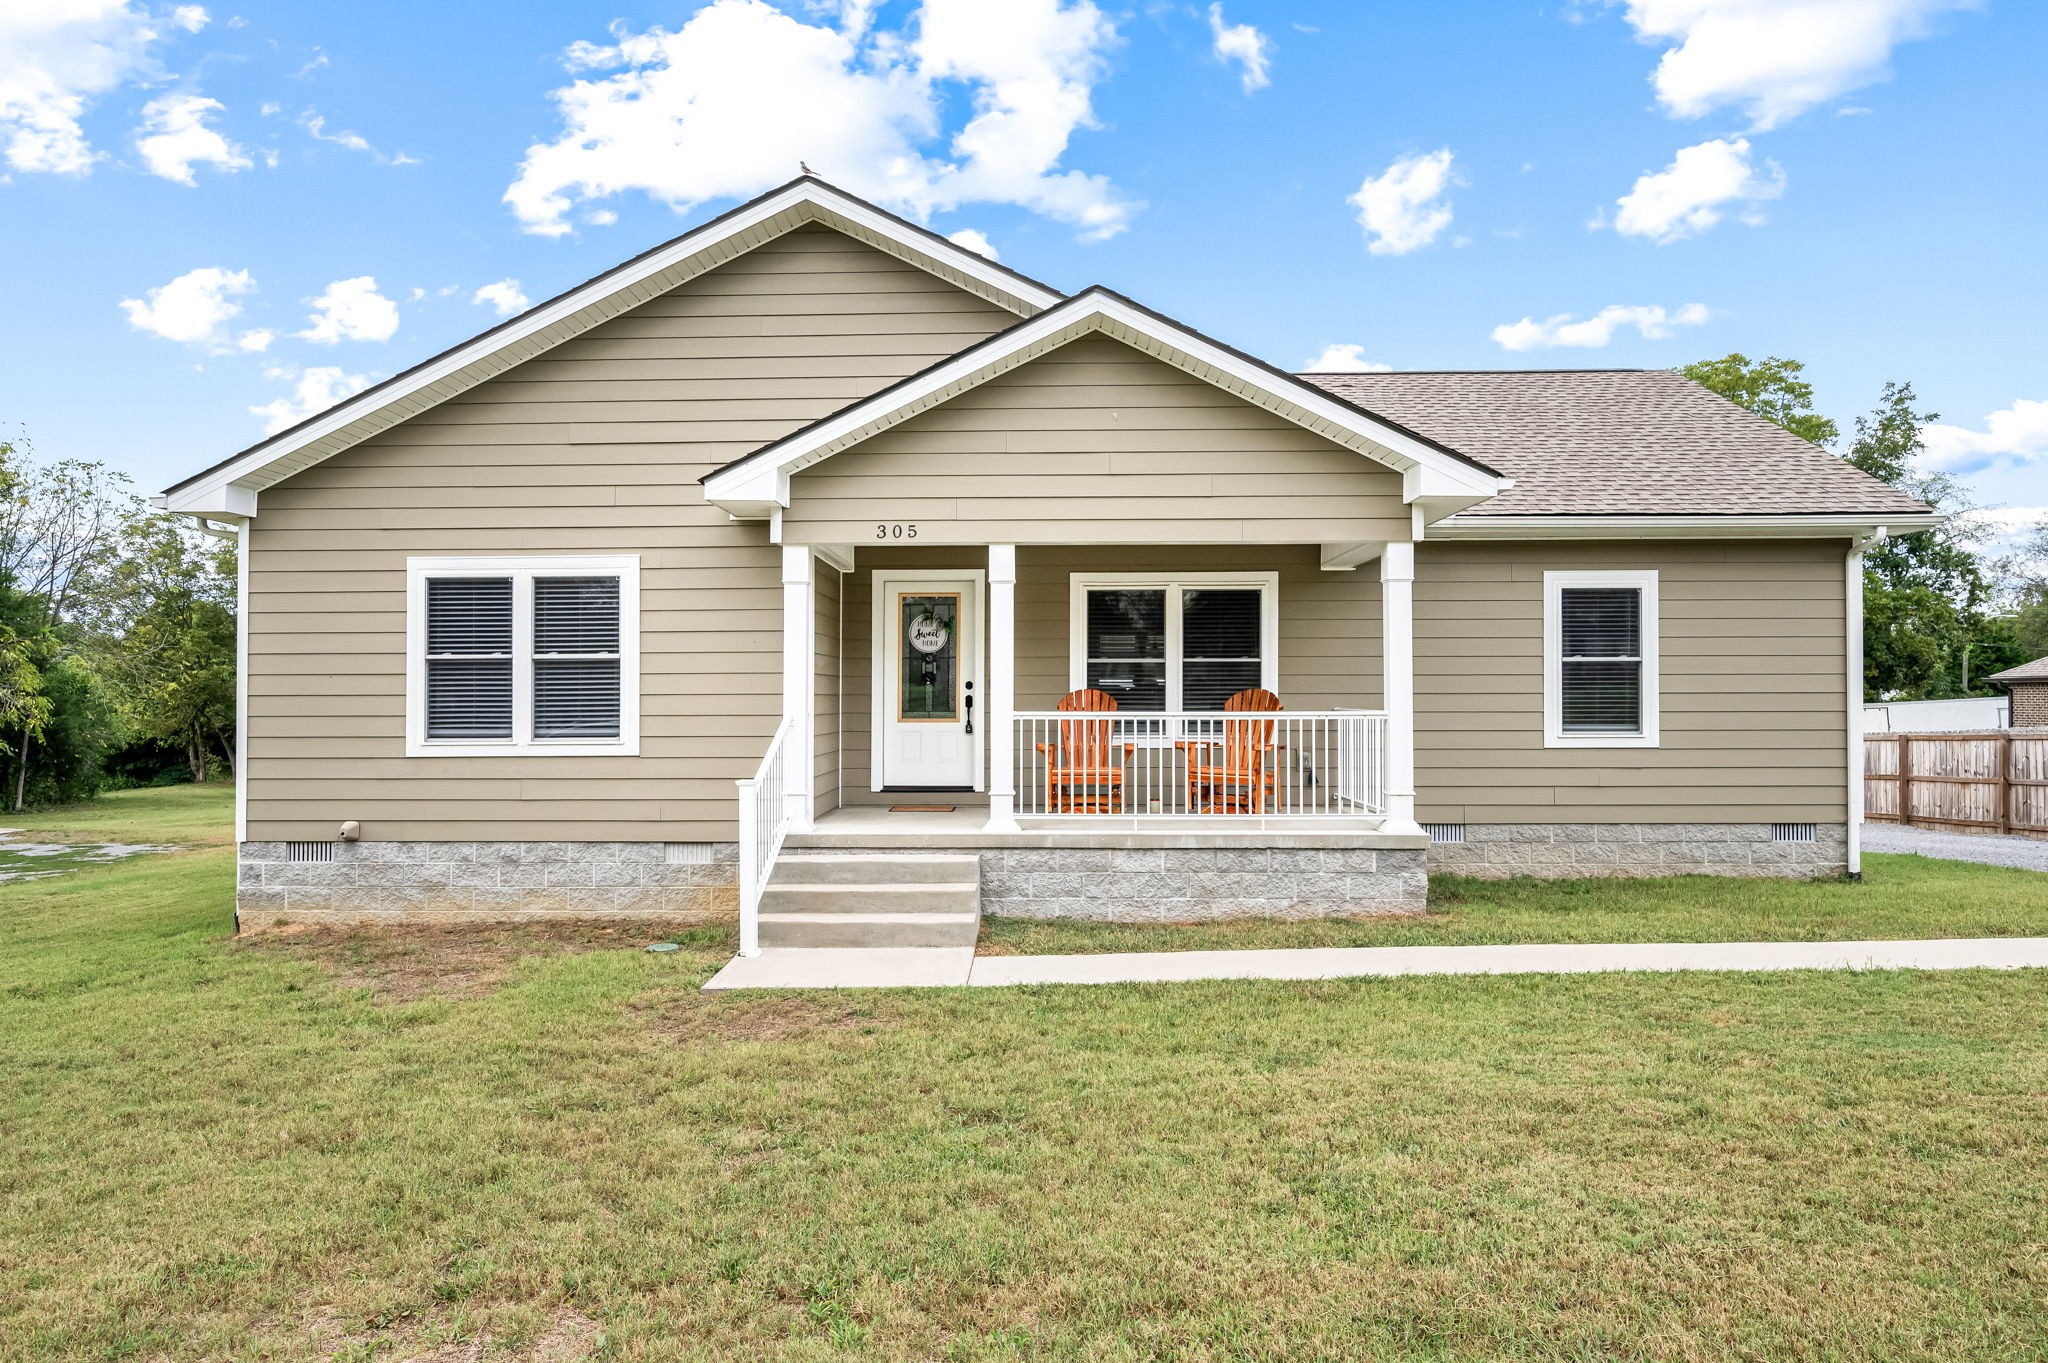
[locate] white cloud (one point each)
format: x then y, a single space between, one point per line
1692 193
191 18
1402 209
975 240
2015 435
2003 530
1774 59
315 125
313 390
195 308
56 57
1654 323
503 296
351 310
255 341
1243 44
704 112
1344 358
174 138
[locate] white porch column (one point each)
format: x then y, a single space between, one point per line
1002 688
799 681
1397 626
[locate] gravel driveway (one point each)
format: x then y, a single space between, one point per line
2028 854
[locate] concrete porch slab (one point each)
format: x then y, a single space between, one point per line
846 968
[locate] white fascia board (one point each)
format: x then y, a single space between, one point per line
221 500
1675 527
272 463
1425 470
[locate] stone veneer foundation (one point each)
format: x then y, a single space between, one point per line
1554 850
451 881
1183 884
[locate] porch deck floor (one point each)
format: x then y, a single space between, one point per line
925 967
878 826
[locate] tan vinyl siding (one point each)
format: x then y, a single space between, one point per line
1329 624
825 703
1752 692
1097 441
595 446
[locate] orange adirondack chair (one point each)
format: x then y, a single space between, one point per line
1226 774
1082 773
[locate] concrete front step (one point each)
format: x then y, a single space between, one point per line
910 898
870 929
874 868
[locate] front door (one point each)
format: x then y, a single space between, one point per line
928 672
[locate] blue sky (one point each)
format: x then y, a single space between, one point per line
1855 183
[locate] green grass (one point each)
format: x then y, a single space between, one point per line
296 1147
1899 896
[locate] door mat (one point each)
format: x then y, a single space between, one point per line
920 809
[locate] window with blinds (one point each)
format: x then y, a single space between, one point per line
1174 646
511 654
1600 678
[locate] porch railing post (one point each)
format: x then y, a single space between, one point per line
799 680
1397 624
1002 688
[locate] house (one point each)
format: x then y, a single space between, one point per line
767 561
2027 685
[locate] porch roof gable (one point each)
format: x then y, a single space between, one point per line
757 486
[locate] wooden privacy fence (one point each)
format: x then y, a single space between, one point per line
1966 783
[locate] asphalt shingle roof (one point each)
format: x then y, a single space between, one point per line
2036 670
1618 442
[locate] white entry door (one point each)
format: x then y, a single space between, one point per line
928 702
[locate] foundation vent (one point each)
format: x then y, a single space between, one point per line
1792 832
309 851
1445 832
689 853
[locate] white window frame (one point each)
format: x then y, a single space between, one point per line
1644 581
1266 584
522 569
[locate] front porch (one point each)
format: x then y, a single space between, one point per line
1135 811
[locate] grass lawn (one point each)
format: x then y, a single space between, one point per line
1899 896
531 1143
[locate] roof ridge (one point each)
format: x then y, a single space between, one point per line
1368 373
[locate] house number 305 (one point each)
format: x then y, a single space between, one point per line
896 530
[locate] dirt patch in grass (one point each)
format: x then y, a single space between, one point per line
760 1017
562 1336
405 963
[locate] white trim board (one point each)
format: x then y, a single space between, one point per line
522 569
232 487
757 487
1675 527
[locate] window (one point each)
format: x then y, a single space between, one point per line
1187 643
1600 663
522 655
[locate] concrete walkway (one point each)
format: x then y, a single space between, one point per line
927 967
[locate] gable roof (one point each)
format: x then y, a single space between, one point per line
757 485
1622 442
228 487
2035 671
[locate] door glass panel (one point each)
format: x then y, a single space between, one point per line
928 643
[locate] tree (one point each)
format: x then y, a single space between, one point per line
1769 387
163 616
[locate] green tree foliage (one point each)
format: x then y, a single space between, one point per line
1771 388
164 615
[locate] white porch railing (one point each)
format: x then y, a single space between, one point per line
764 822
1312 764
